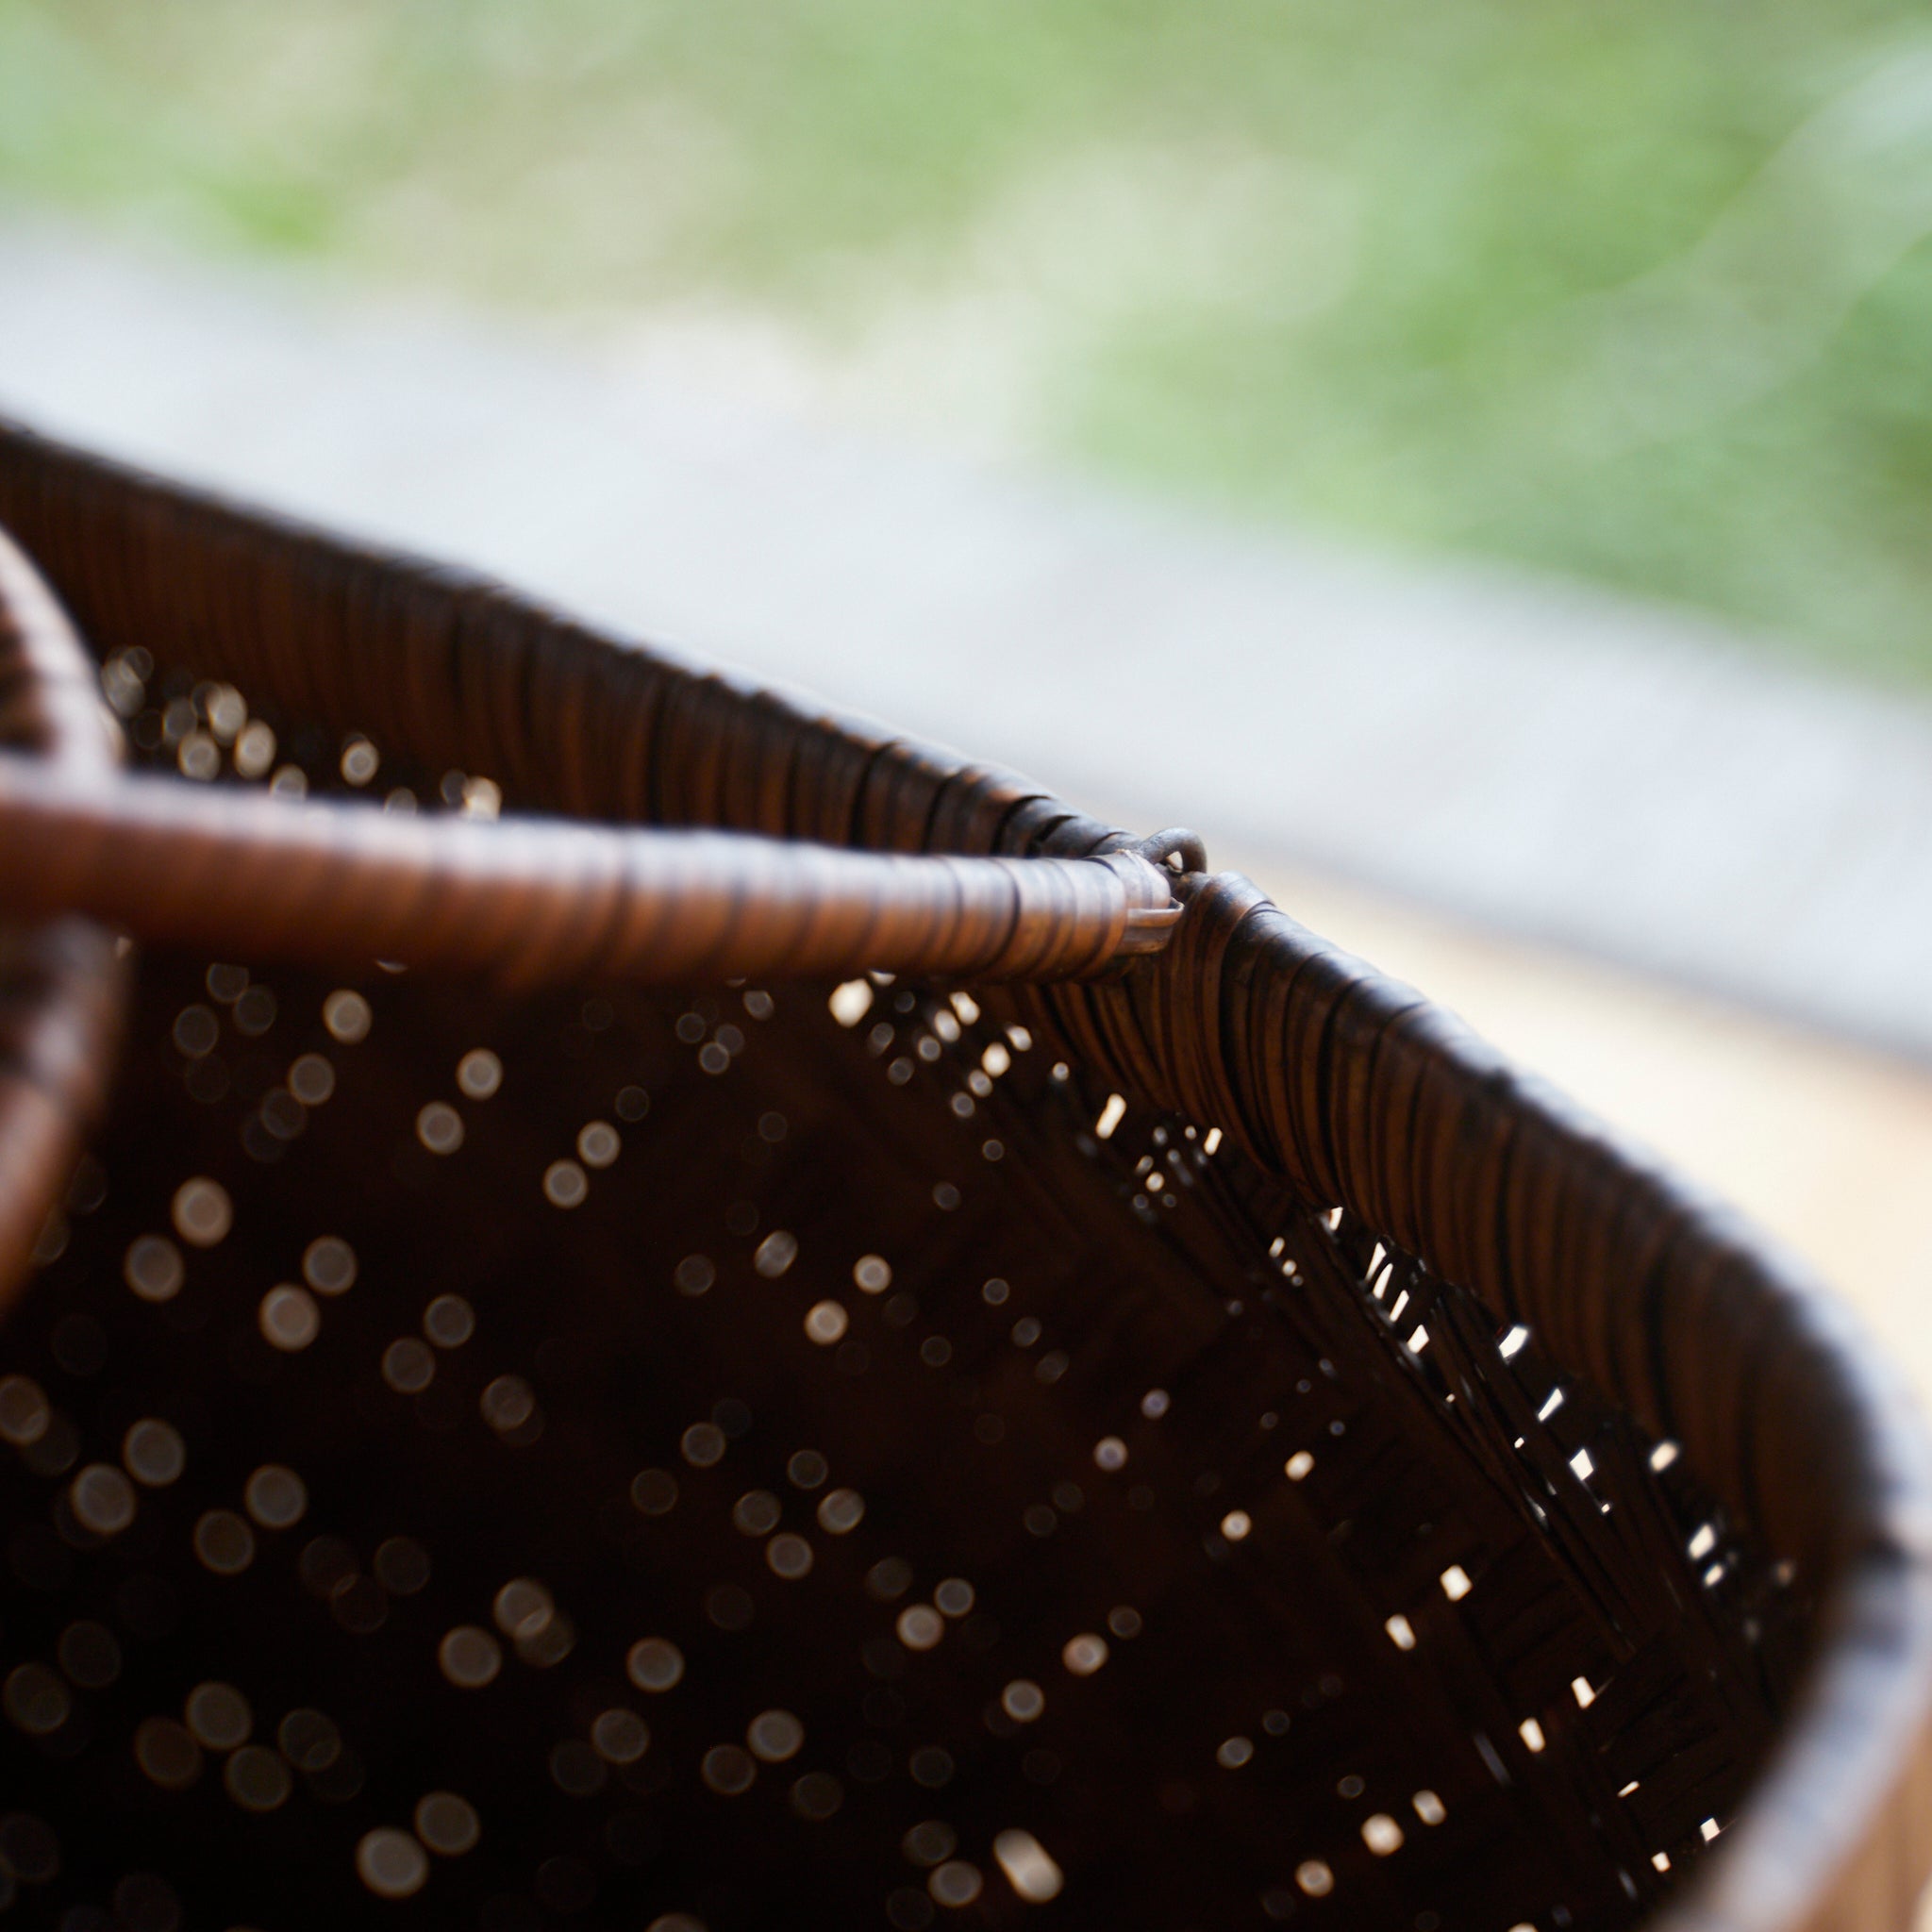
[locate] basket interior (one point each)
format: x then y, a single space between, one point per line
1041 1512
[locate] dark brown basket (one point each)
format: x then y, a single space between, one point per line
1208 1447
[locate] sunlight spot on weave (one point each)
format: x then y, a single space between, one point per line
654 1664
774 1736
728 1771
842 1511
254 750
523 1608
312 1080
449 1321
359 762
469 1656
775 1254
447 1825
507 1402
153 1453
167 1754
289 1319
154 1269
275 1496
203 1212
390 1862
920 1626
257 1779
328 1265
347 1016
479 1074
1382 1835
102 1499
1028 1868
223 1543
851 1002
408 1366
26 1413
1085 1654
755 1513
956 1883
954 1597
565 1184
789 1556
826 1322
482 798
218 1716
1023 1699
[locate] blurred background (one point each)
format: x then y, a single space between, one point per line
1470 459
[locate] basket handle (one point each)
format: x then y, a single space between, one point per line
533 900
528 901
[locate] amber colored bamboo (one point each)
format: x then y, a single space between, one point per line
535 901
61 985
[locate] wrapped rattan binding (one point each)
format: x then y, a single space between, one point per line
1206 1447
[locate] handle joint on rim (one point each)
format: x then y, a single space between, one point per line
1149 870
1173 850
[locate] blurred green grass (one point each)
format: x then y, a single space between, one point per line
1639 292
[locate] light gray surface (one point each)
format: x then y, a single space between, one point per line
1620 778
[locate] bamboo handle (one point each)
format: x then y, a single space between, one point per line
532 901
527 901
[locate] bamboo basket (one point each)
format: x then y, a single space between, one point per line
742 1382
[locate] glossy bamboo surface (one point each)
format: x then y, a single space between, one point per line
535 901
